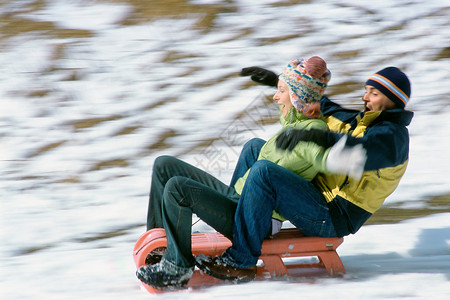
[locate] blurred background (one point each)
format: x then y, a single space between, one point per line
91 92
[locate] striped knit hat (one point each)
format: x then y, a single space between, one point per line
307 81
393 83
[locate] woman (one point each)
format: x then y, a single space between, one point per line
178 189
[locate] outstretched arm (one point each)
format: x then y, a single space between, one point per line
261 75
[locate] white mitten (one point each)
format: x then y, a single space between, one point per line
346 160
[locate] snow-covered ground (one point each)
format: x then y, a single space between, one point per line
88 103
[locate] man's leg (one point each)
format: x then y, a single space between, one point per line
249 155
271 187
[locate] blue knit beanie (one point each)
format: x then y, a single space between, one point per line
393 83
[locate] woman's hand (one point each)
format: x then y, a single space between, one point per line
261 75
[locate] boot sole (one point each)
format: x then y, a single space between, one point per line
206 270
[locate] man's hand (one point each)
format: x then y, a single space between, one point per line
347 160
261 75
289 138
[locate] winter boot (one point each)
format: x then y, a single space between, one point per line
164 274
155 256
219 268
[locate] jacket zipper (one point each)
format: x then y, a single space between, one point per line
345 183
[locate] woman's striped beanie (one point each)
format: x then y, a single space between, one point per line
393 83
307 81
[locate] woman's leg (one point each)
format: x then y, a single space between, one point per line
164 168
181 198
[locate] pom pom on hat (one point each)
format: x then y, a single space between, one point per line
307 81
315 66
393 83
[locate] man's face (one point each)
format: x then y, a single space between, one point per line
375 100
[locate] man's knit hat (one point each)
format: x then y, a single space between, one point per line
393 83
307 81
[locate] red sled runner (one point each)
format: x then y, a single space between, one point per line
276 254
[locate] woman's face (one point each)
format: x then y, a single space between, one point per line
282 97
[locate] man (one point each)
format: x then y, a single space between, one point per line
351 187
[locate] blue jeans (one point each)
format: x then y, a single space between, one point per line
179 189
271 187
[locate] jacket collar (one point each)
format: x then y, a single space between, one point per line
292 116
397 115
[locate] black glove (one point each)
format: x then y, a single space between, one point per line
261 75
289 138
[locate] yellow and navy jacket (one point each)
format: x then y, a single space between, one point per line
386 139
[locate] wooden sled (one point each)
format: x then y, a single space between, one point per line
275 254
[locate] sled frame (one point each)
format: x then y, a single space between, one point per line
288 243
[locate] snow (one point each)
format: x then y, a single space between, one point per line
68 224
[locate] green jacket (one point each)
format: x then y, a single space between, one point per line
306 160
